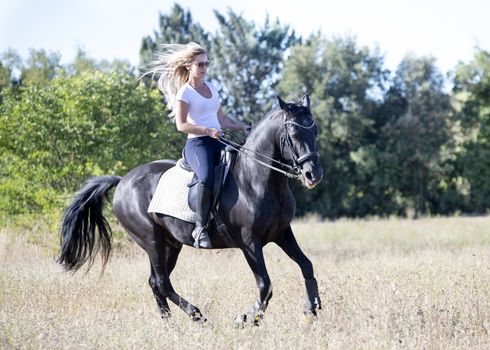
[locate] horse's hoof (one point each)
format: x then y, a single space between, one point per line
240 321
257 318
309 317
197 317
165 315
253 319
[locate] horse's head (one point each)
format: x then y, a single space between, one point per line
298 140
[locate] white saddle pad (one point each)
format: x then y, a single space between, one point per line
170 197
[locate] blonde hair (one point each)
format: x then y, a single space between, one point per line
170 68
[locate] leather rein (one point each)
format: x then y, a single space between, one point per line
294 170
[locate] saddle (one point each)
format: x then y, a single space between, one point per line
221 171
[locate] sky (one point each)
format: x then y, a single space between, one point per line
448 30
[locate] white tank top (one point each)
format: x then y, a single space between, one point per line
203 111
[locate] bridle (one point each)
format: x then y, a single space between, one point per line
298 160
294 169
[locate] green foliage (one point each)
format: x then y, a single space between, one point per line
386 142
420 133
40 67
472 88
390 143
55 136
10 62
5 76
345 83
247 61
177 28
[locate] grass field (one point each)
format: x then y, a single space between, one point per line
385 284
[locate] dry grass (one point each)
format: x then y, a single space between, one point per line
385 284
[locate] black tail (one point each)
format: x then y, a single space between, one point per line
79 243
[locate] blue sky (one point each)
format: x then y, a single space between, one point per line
448 30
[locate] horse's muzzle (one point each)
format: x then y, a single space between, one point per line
312 174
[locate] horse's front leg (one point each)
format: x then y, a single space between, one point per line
255 259
288 243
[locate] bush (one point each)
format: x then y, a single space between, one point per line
54 137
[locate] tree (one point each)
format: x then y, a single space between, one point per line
40 67
472 89
346 84
419 132
10 64
53 137
176 28
248 63
5 77
82 63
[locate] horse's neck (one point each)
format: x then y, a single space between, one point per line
264 141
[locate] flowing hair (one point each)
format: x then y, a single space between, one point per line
170 68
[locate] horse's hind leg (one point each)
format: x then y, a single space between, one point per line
163 257
288 243
172 255
161 300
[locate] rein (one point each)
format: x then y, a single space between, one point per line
249 153
294 172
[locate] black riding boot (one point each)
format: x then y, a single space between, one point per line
203 205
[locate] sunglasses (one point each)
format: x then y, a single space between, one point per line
202 64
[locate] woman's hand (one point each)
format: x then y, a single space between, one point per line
214 133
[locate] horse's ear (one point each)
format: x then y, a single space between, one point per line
282 104
305 100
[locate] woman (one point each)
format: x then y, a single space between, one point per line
196 106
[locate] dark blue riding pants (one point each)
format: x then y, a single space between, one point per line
202 154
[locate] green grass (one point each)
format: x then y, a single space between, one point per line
385 284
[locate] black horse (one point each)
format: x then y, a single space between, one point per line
256 209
